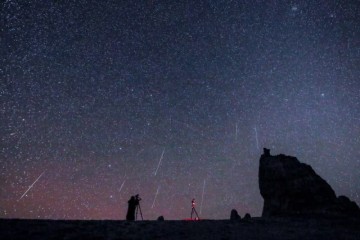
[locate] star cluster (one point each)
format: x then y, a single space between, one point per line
173 100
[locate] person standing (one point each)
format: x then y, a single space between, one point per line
130 216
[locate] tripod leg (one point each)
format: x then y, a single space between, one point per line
141 213
136 213
196 213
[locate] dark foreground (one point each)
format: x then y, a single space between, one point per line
256 228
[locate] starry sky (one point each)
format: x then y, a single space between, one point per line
173 100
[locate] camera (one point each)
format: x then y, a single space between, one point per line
137 197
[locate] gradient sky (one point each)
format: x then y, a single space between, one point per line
173 100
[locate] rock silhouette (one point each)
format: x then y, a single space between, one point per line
290 188
247 216
234 216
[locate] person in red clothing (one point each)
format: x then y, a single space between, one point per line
193 210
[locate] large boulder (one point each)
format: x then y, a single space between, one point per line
290 188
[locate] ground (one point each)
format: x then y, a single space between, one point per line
256 228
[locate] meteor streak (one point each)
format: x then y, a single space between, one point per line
140 152
157 191
256 137
236 132
122 185
188 126
162 155
31 186
202 196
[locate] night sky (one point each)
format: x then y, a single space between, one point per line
173 100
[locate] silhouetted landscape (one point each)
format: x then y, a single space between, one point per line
256 228
298 204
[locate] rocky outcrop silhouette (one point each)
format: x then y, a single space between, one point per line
290 188
247 216
161 218
234 215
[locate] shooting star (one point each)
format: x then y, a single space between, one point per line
236 132
31 186
157 192
122 185
140 152
162 155
187 125
202 196
256 137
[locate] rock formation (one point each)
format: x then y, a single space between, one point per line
290 187
234 216
247 216
161 218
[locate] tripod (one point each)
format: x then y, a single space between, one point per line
138 208
193 210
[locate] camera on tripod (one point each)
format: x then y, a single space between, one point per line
138 208
137 198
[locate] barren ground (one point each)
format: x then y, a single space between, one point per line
256 228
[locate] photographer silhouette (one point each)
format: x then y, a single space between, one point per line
130 216
134 208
